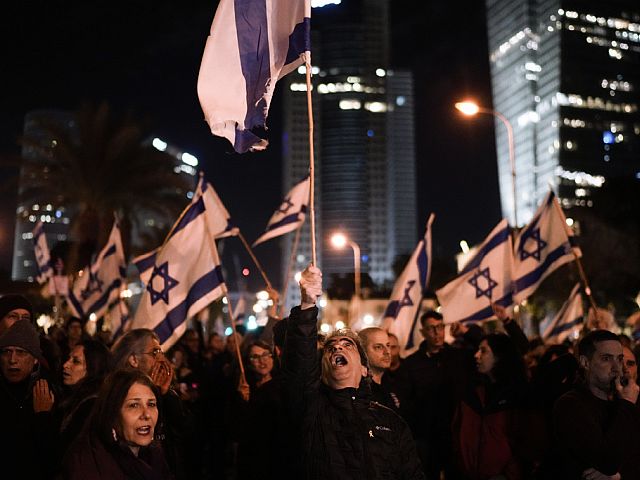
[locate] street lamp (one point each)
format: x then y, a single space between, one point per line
339 240
470 109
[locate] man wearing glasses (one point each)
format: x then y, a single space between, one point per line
12 309
340 432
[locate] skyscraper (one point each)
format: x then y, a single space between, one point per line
566 74
364 142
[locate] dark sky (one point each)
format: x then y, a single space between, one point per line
143 56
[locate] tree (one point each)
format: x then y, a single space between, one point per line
96 166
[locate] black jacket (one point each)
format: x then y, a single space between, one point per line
341 434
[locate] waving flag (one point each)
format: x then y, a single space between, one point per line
101 282
118 314
219 225
543 245
41 250
400 316
486 279
185 278
568 320
290 215
253 43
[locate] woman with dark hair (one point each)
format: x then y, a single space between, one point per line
488 422
257 415
119 443
82 375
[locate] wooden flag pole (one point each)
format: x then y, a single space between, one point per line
312 177
583 275
287 276
255 260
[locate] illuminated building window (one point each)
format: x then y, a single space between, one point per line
350 104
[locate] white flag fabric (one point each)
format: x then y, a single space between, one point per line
486 279
400 317
185 278
568 320
219 224
253 43
291 213
119 319
41 250
101 282
542 246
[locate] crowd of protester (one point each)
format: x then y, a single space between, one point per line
485 406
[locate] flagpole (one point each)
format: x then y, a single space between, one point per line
287 276
583 275
312 178
255 260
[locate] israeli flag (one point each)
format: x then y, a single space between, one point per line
220 226
542 246
253 43
118 317
568 320
290 215
185 278
486 279
400 317
101 282
41 250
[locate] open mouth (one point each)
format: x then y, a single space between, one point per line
147 430
339 360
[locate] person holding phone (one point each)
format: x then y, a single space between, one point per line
594 422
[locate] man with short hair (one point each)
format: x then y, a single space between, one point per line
26 402
595 422
429 383
341 433
376 342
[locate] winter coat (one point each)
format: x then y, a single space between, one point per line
341 434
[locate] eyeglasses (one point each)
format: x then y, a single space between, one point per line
17 316
18 352
434 328
257 358
154 353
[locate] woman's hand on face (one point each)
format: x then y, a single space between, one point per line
162 375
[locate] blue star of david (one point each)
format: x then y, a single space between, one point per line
286 205
169 283
539 245
406 299
491 283
93 285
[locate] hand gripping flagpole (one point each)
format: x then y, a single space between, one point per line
583 275
312 178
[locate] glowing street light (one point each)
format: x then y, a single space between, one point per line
470 109
339 240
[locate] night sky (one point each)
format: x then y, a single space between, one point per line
143 57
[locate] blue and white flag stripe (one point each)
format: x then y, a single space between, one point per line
291 213
41 250
400 317
568 320
545 244
101 282
485 280
253 43
185 277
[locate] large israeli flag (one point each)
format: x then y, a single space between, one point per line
253 43
41 250
568 320
118 317
219 224
400 317
542 246
185 278
486 279
101 282
290 214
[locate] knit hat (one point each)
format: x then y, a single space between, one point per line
22 335
11 302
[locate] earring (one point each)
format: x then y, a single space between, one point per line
114 434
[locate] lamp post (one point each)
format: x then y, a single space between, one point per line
470 109
339 240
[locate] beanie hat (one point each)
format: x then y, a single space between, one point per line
22 335
13 302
